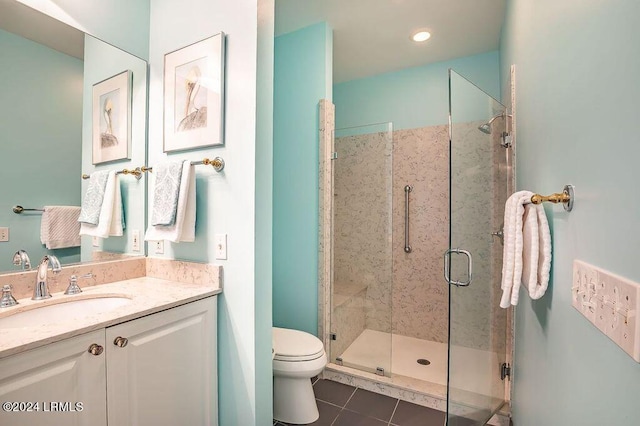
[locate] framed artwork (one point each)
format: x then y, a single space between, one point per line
112 118
194 95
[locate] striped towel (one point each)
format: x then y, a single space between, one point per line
59 227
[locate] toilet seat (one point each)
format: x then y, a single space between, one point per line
295 346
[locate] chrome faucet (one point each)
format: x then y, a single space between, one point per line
21 258
41 290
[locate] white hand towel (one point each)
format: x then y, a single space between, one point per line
110 220
527 249
184 227
59 227
538 280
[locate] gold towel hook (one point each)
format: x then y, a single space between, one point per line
565 197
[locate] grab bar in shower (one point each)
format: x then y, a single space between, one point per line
407 246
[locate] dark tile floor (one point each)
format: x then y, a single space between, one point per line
344 405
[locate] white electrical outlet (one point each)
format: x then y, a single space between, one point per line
221 246
160 247
135 240
616 300
4 235
95 241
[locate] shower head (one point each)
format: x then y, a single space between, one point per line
486 127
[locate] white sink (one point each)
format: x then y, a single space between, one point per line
67 310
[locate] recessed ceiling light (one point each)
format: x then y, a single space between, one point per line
421 36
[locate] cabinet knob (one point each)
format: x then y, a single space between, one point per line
95 349
120 342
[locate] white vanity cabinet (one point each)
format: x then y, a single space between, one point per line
165 371
40 382
159 369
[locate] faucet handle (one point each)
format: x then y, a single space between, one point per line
74 288
7 299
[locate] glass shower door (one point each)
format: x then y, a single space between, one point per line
478 188
362 250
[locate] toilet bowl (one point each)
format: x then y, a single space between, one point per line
297 356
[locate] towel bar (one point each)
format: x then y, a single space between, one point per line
217 163
565 197
137 172
20 209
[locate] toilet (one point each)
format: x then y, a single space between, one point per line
297 356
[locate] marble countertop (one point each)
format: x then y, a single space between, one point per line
148 295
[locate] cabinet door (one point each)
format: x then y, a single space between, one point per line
61 383
165 373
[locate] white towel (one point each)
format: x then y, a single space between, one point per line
110 220
527 249
536 252
59 227
184 227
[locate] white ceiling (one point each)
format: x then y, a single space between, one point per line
373 36
24 21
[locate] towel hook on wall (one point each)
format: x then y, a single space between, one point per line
565 197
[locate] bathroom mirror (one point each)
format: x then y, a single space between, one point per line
46 122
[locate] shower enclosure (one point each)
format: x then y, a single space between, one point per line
393 202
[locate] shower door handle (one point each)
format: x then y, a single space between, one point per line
447 269
407 246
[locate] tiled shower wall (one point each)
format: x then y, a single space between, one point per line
376 284
472 207
420 295
367 256
362 271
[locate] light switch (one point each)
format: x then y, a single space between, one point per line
221 246
135 240
616 301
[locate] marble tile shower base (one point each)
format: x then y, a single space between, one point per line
408 380
376 349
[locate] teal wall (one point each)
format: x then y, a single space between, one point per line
226 202
102 61
41 141
303 71
413 97
578 64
